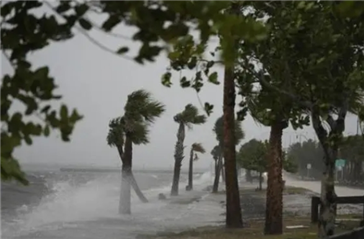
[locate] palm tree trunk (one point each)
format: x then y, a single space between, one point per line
223 171
260 181
215 187
125 197
178 157
136 188
190 172
176 175
274 203
233 209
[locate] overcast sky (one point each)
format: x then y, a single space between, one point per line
97 83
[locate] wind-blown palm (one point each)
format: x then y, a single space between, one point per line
195 148
218 149
187 118
141 111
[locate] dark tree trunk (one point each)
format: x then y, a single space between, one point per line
260 180
233 209
178 157
190 172
274 204
176 175
125 199
215 187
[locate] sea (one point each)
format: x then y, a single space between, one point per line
84 204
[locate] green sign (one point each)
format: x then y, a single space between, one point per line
339 163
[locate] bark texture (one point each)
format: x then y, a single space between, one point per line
215 187
125 197
190 172
233 208
274 203
178 157
329 142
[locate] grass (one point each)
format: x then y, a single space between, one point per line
288 190
252 230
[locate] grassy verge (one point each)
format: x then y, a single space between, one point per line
253 230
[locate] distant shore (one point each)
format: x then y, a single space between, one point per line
102 170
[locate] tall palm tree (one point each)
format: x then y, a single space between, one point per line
217 156
195 148
187 118
141 111
219 133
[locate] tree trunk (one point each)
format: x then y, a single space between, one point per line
329 143
176 175
178 157
215 187
190 172
326 222
125 197
223 170
248 176
136 188
274 206
260 180
233 209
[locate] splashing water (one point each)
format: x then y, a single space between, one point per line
92 200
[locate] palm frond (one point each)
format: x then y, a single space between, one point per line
197 147
142 107
116 134
139 134
190 115
215 152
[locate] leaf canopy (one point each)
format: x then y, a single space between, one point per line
190 116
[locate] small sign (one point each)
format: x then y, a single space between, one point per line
340 163
308 166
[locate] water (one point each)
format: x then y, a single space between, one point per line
85 204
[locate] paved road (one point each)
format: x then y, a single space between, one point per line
315 186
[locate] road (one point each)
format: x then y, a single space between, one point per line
315 186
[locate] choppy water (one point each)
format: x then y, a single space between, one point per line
67 205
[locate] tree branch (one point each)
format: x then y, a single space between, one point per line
95 42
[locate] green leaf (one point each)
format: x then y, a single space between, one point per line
64 112
46 131
111 22
213 78
85 24
122 50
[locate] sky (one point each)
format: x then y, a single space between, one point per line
97 83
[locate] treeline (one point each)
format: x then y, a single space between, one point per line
309 157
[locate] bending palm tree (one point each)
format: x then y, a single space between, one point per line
132 128
219 132
188 117
195 148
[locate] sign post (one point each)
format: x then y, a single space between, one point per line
340 164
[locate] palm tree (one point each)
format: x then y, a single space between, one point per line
141 111
219 132
188 117
195 148
217 156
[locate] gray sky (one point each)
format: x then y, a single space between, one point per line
97 83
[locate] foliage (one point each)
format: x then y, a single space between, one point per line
197 148
219 131
253 156
308 152
23 31
140 111
215 152
190 116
